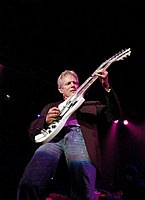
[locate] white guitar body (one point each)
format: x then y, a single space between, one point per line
75 101
55 127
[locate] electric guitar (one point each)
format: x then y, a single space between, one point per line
72 103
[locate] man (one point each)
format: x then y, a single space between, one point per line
77 141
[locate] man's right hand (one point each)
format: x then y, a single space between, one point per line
52 114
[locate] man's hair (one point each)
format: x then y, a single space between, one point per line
66 73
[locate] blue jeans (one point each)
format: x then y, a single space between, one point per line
44 162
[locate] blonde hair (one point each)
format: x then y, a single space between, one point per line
66 73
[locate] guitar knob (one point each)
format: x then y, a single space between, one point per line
53 126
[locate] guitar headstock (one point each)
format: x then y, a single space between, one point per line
121 55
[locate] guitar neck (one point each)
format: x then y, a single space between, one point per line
85 86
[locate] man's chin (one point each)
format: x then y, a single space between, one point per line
71 93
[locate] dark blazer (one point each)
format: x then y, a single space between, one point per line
87 116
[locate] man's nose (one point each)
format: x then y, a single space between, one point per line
72 84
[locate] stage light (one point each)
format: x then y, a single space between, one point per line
116 121
125 122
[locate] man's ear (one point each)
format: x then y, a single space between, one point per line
60 90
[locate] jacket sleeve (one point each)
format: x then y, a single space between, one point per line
38 124
112 109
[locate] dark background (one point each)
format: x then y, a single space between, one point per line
38 40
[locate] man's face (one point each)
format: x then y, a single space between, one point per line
69 85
